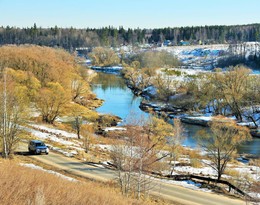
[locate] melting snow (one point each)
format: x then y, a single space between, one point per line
55 131
33 166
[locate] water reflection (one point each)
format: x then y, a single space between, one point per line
252 147
120 101
191 132
108 81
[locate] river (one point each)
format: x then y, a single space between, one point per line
120 101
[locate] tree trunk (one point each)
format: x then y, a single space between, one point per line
77 126
5 150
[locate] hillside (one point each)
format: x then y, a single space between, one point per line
24 185
50 79
42 84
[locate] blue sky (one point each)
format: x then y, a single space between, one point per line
128 13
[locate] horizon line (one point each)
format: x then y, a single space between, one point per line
121 26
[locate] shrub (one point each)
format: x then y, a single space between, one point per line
196 163
172 72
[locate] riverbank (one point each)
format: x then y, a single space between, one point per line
171 99
168 111
119 100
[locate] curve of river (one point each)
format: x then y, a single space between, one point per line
120 101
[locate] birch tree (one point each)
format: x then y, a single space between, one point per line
175 141
14 101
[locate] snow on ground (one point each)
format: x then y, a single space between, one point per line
130 151
244 170
197 56
177 50
204 118
105 146
206 171
252 171
48 136
187 184
181 74
107 129
54 135
44 136
255 114
33 166
54 131
74 146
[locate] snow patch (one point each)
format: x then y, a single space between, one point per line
33 166
54 131
107 129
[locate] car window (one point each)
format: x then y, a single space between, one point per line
40 144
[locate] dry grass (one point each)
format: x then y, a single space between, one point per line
254 162
196 163
22 185
233 173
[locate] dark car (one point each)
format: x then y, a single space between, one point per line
37 147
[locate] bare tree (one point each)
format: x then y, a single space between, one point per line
78 88
87 136
251 112
221 143
138 154
165 87
123 158
233 88
175 141
12 112
104 57
138 78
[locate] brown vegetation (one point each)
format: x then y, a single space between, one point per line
221 144
50 77
22 185
104 57
49 81
139 155
234 92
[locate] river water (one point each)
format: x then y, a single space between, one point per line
120 101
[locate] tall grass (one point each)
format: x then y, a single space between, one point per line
21 186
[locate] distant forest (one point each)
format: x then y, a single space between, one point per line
71 38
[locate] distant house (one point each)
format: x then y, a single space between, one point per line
184 43
167 43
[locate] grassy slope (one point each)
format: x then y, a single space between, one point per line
22 185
